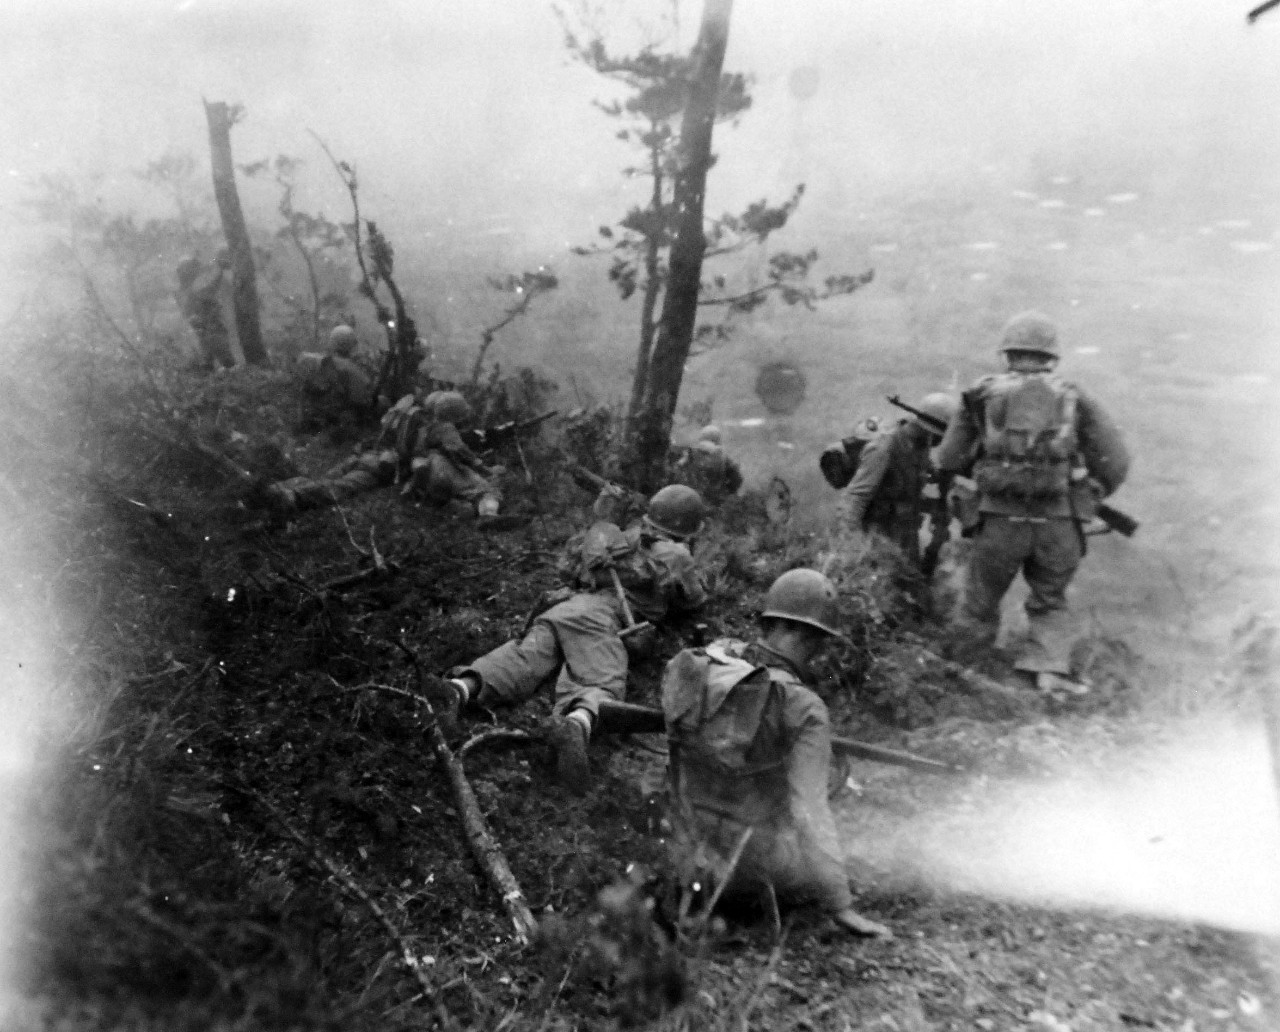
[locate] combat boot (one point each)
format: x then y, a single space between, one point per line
446 703
569 740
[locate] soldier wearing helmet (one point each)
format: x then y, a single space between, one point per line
750 748
578 638
442 469
336 390
1042 453
419 447
199 297
705 467
886 494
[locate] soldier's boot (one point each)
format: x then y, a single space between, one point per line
623 718
447 697
569 739
854 923
1049 682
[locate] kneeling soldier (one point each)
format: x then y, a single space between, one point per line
750 750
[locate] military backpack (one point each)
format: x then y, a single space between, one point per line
1028 428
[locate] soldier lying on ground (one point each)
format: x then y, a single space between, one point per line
750 747
1047 453
887 493
419 447
580 636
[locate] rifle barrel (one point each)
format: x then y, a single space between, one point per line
895 757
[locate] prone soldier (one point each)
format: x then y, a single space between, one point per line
649 571
1043 454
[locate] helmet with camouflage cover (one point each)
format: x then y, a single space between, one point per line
807 597
940 405
448 406
342 340
1033 332
677 511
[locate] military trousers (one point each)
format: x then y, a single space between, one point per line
439 479
363 472
579 639
1047 552
798 869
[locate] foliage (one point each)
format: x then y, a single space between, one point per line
525 287
130 255
657 83
316 241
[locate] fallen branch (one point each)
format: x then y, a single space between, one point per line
493 736
349 580
484 847
351 885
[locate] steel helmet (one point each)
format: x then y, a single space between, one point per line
342 340
677 510
807 597
942 406
1033 332
711 433
449 406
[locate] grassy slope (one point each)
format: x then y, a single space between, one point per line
174 899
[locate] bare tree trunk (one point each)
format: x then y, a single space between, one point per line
245 284
652 287
648 457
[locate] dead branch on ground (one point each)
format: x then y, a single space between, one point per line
484 846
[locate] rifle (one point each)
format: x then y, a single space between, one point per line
1121 522
589 481
894 757
504 433
933 423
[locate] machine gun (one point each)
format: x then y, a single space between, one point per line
1121 522
504 433
589 481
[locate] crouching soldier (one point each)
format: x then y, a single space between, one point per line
887 493
708 469
335 389
648 574
750 746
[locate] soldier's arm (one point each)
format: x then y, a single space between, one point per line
1101 445
681 583
866 481
732 477
960 442
449 441
808 761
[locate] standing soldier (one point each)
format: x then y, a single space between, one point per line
199 298
581 635
1044 454
886 494
750 747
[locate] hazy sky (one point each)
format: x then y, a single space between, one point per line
471 110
